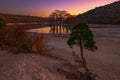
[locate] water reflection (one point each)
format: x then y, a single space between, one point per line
40 30
52 30
59 30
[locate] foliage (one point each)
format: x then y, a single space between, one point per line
108 14
81 32
24 45
56 20
17 37
2 23
39 44
11 18
2 32
59 14
82 36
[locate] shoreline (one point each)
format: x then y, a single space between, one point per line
104 62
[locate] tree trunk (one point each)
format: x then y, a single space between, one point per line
89 76
82 56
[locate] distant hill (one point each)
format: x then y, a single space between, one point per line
108 14
11 18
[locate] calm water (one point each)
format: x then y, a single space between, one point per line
40 30
110 32
48 30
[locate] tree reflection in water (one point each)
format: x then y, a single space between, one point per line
57 19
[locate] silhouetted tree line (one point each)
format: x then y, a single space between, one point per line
57 19
108 14
10 18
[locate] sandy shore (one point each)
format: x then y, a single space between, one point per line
35 67
105 62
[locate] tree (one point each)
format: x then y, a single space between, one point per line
60 14
2 23
82 36
57 18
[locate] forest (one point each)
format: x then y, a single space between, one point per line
12 18
108 14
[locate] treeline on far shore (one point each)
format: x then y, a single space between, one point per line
12 18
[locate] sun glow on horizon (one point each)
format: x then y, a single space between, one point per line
43 8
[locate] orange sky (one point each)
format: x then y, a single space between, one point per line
45 7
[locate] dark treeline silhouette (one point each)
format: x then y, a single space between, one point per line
108 14
11 18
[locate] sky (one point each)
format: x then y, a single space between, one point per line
43 8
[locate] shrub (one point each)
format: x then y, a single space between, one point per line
2 23
17 37
2 33
39 44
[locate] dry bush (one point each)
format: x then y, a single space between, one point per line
10 36
16 37
39 44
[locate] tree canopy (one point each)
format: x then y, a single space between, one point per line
59 14
108 14
81 32
83 36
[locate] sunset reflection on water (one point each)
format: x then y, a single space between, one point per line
40 30
47 30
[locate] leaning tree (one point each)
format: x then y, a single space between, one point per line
83 36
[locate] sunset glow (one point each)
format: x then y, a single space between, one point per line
45 7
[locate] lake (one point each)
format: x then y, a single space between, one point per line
47 29
111 31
